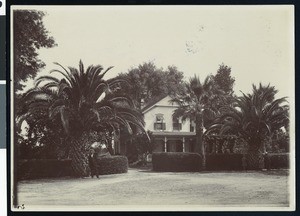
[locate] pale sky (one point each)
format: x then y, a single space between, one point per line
257 42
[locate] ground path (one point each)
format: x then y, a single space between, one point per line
143 187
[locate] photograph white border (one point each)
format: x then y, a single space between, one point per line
170 208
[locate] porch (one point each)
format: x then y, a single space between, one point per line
174 141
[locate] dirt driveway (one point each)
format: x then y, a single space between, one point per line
152 190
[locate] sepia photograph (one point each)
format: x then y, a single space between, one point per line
152 108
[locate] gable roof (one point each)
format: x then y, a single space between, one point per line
154 102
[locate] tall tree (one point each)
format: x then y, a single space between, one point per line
147 82
224 80
254 117
193 103
29 35
173 80
82 102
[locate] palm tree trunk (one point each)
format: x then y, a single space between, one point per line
79 162
254 158
199 139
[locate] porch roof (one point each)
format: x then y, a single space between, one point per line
173 133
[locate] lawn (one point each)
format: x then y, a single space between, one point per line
152 190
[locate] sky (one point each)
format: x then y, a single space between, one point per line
257 42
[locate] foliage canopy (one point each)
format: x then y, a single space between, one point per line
30 35
79 103
147 82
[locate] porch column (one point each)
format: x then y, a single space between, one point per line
113 144
183 144
166 144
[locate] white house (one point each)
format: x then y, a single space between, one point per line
170 134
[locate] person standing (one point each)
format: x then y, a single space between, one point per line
92 159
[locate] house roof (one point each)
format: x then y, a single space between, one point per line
173 133
153 103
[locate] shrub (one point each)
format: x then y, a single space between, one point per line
176 162
277 161
218 162
47 168
112 165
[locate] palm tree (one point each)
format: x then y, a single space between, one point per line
254 117
82 102
195 103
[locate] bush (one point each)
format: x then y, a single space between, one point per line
218 162
176 162
49 168
277 161
112 165
52 168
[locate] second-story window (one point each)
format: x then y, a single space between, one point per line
159 122
192 127
176 124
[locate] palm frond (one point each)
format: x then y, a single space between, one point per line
46 78
72 102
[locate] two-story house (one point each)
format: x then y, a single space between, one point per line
170 134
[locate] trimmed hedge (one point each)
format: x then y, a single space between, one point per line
47 168
191 162
52 168
112 165
218 162
176 162
277 161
